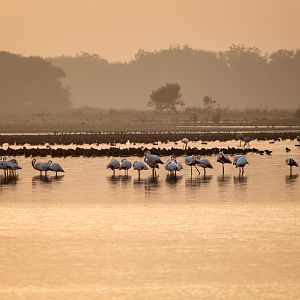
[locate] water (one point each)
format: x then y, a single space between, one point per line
86 235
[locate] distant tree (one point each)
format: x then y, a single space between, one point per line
167 97
32 85
208 102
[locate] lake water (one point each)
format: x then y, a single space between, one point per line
86 235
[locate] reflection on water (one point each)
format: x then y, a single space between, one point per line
291 179
172 180
8 180
88 235
240 183
224 180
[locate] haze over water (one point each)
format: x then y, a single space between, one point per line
86 235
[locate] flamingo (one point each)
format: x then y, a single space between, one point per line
192 161
205 163
185 142
291 162
298 138
42 167
13 166
223 159
247 141
173 165
113 165
240 162
240 137
125 165
139 166
152 161
55 167
9 166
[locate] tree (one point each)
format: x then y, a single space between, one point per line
167 97
31 85
208 102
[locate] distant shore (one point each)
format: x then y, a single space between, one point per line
153 135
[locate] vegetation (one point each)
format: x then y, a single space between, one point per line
238 77
31 85
166 98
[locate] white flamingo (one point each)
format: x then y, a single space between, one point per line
55 167
13 166
291 162
42 167
240 161
192 161
173 165
152 161
223 159
185 142
113 165
125 165
139 166
205 163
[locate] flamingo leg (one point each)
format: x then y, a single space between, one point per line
139 174
291 168
197 169
223 169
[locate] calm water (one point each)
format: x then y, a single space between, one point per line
86 235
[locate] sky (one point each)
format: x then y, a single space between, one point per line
117 29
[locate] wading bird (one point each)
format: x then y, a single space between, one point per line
240 137
185 142
291 162
205 163
139 166
55 167
113 165
223 159
240 162
42 167
173 165
192 161
125 165
152 161
247 141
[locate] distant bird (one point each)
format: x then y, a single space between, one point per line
42 167
298 138
55 167
152 161
223 159
125 165
287 149
172 165
247 141
240 137
113 165
192 161
185 142
139 166
269 152
291 162
240 162
205 163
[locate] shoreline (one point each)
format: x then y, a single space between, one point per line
146 137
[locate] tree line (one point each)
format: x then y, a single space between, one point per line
238 77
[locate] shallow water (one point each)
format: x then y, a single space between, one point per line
86 235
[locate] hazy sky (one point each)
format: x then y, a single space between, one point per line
116 29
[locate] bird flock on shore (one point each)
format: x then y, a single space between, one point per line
152 161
